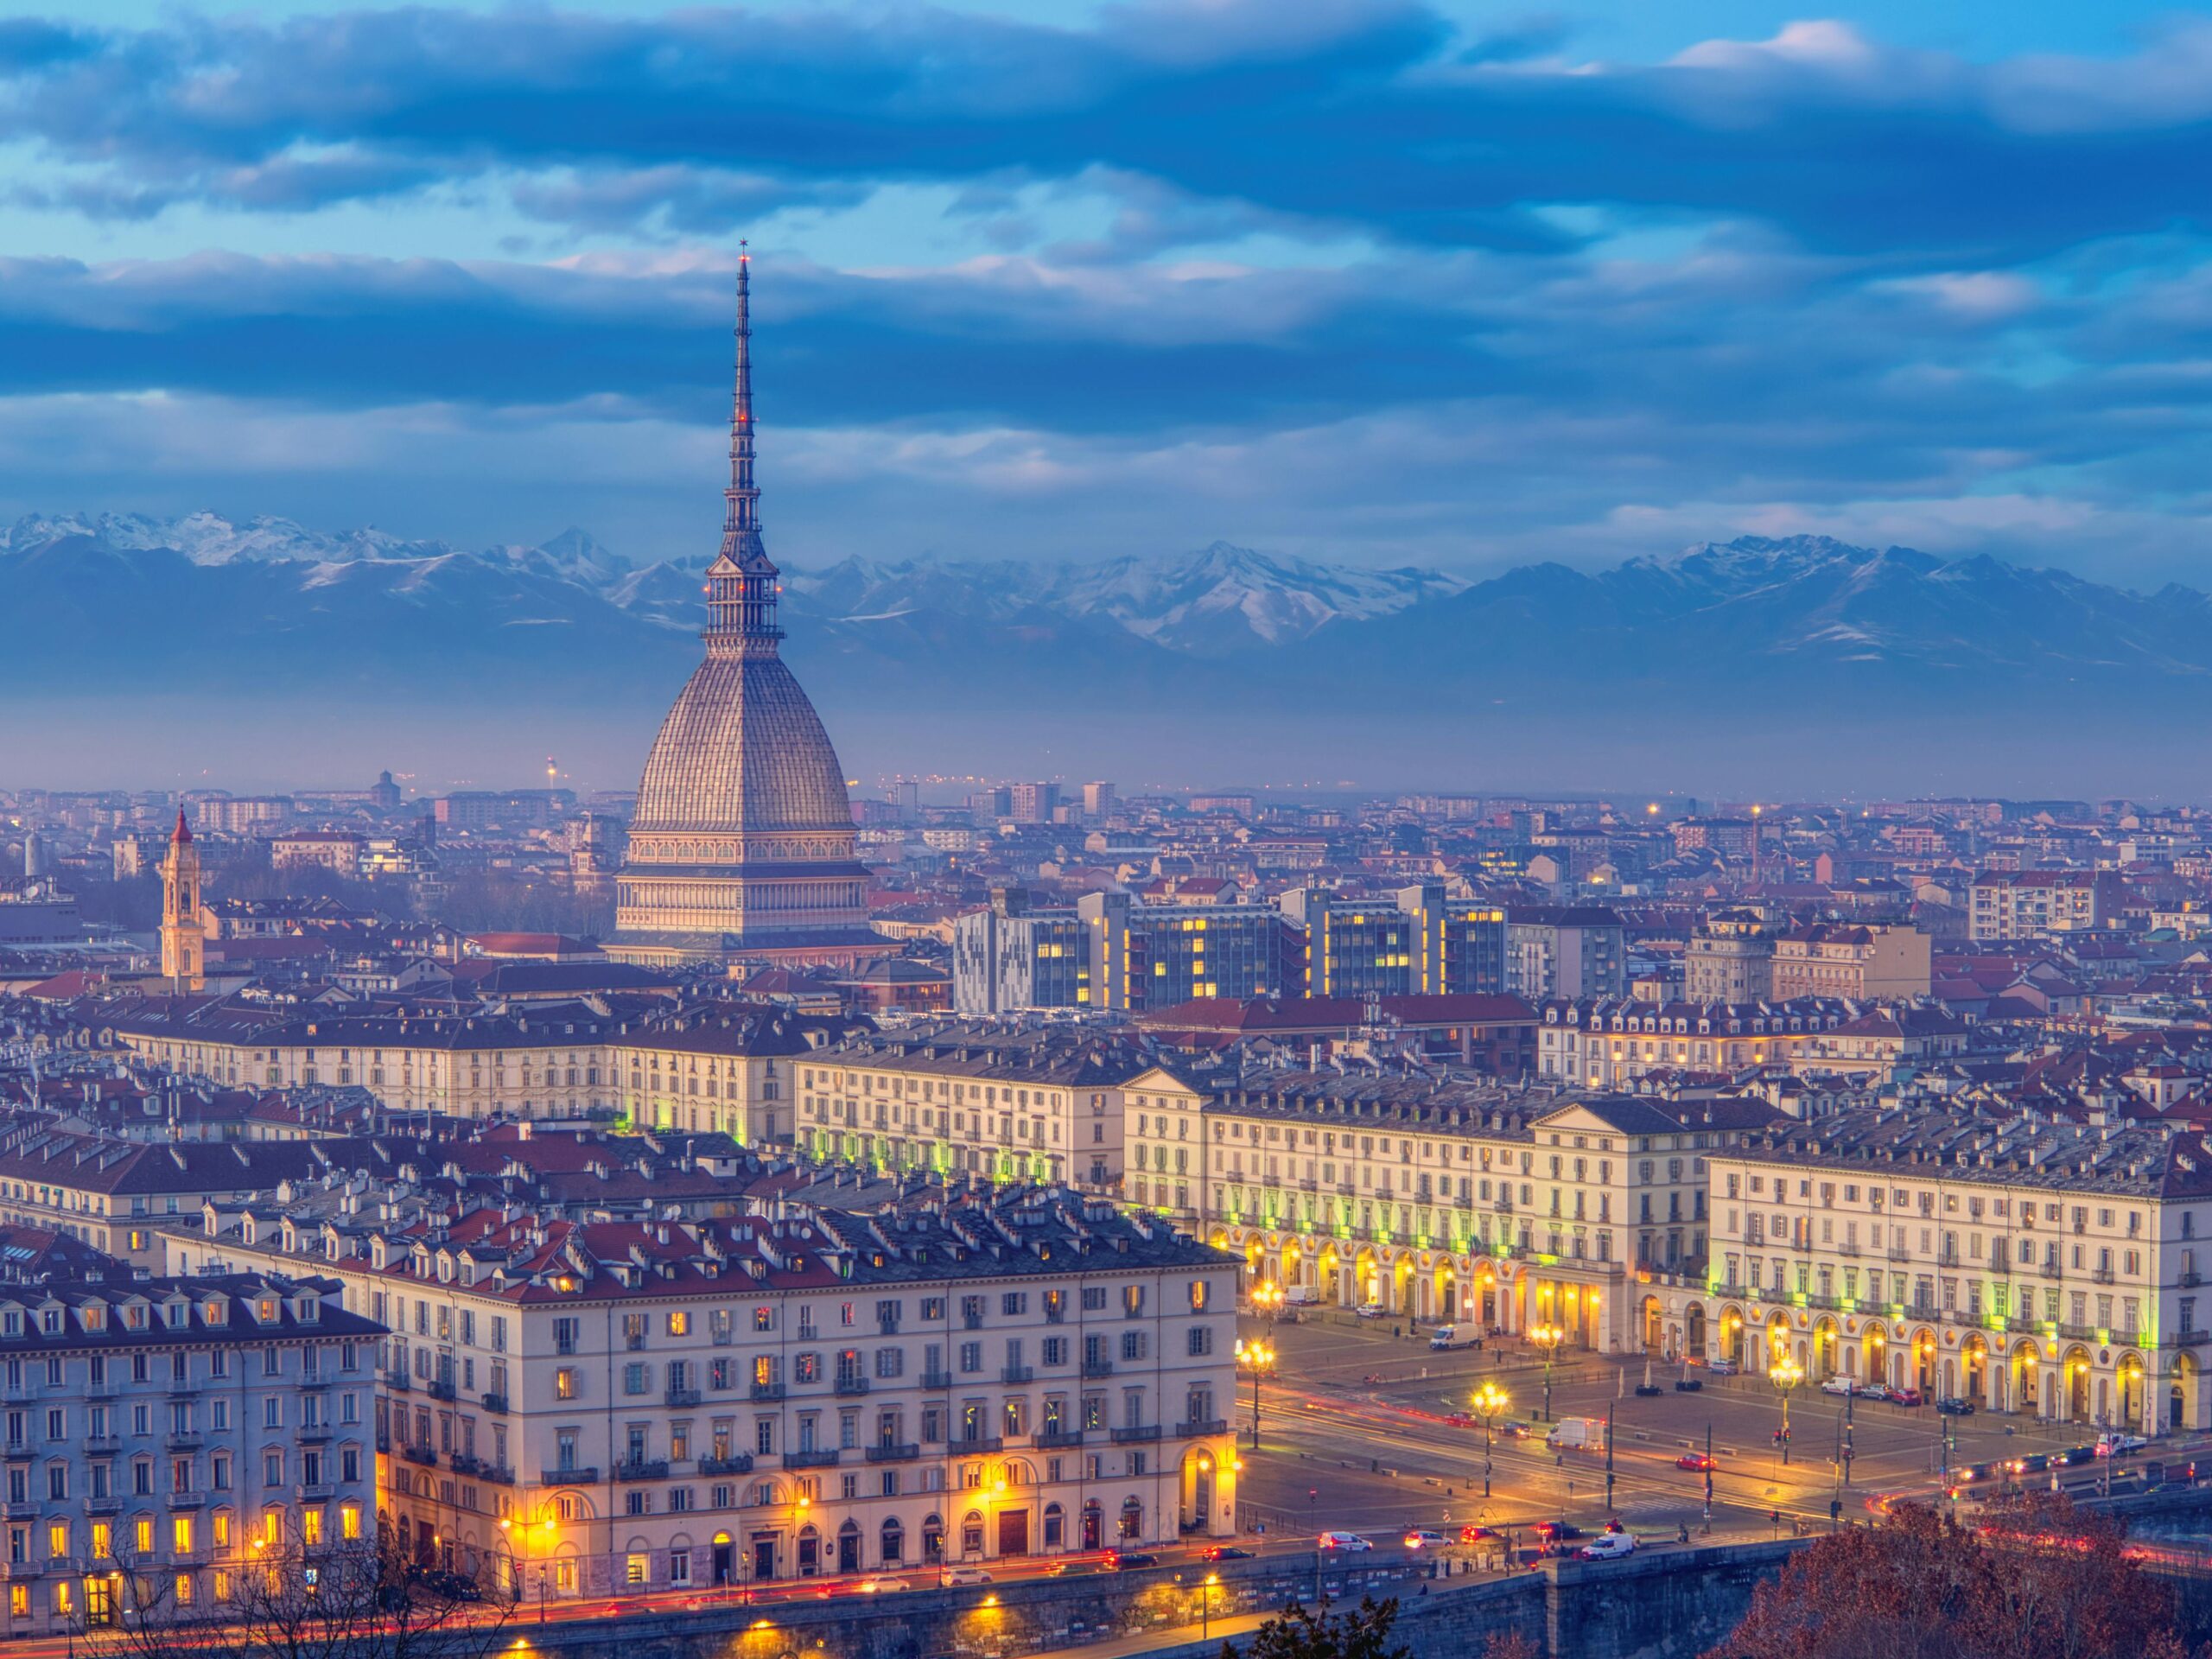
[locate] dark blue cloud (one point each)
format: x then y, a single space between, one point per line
1369 111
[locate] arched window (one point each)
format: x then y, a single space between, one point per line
932 1540
894 1543
1055 1527
971 1534
1132 1518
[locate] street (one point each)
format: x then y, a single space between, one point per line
1354 1435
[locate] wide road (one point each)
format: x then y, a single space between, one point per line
1355 1434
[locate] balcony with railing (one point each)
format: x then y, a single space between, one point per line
977 1445
1058 1439
739 1463
442 1388
894 1453
936 1379
683 1398
425 1455
579 1475
396 1381
1098 1366
1016 1374
496 1403
1198 1427
850 1382
641 1469
1135 1433
820 1458
2101 1275
767 1391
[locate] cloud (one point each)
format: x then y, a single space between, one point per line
1373 113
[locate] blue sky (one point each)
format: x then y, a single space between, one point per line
1373 280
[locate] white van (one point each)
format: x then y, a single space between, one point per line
1453 1336
1578 1433
1301 1296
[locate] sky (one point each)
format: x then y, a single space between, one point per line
1450 284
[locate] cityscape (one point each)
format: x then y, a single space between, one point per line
1719 1173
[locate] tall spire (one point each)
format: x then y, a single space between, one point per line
741 518
742 585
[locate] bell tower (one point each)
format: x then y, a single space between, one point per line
183 946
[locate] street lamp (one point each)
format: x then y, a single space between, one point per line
1490 1404
1206 1605
1786 1374
1259 1359
1548 1337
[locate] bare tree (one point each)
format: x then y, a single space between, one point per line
291 1599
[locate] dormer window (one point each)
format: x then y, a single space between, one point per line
49 1321
175 1313
133 1316
267 1312
215 1313
96 1318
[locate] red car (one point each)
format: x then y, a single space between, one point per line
1476 1534
1904 1396
1696 1462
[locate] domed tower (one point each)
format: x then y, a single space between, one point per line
742 842
184 947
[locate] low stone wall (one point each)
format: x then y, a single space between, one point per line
1668 1604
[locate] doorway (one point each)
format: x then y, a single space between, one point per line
1013 1532
725 1559
848 1548
764 1558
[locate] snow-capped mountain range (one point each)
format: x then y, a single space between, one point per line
1221 598
1802 638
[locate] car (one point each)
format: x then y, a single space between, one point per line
881 1586
1228 1553
1513 1428
1954 1405
967 1575
453 1586
2118 1446
1695 1462
1346 1541
2034 1463
1688 1384
1474 1534
1722 1367
1554 1532
1424 1538
1873 1390
1128 1560
1608 1547
1904 1396
1369 1310
2074 1454
1836 1385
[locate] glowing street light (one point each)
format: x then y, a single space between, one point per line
1786 1374
1490 1403
1259 1358
1548 1336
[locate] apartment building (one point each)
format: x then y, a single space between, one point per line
111 1193
950 1376
963 1098
165 1428
1441 1199
2029 904
1855 962
1730 959
718 1066
1609 1042
1572 951
2046 1267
